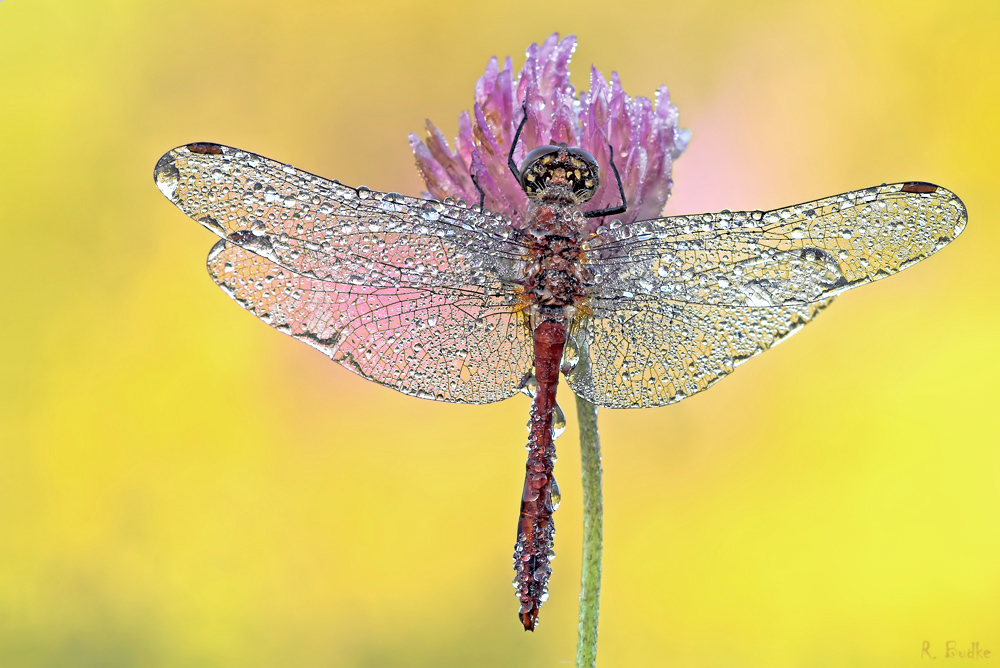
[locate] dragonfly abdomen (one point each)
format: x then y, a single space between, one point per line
535 530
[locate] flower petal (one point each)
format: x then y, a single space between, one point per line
644 136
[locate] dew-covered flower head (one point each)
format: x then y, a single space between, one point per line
643 134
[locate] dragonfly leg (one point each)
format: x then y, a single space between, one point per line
611 211
482 195
517 135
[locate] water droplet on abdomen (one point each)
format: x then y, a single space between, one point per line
571 356
529 386
556 498
558 422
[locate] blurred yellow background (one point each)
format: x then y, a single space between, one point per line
180 485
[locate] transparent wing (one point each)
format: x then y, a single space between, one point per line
323 229
443 344
680 302
657 353
799 254
414 294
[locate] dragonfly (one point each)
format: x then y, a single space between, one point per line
453 302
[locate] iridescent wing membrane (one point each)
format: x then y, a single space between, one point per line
681 301
424 297
413 294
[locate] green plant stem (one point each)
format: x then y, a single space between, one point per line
593 509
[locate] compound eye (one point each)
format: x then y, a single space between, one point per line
536 169
583 174
571 169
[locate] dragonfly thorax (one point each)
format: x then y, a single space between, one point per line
559 173
557 276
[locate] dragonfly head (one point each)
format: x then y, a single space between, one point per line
562 167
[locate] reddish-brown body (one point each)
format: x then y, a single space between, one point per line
555 285
535 530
